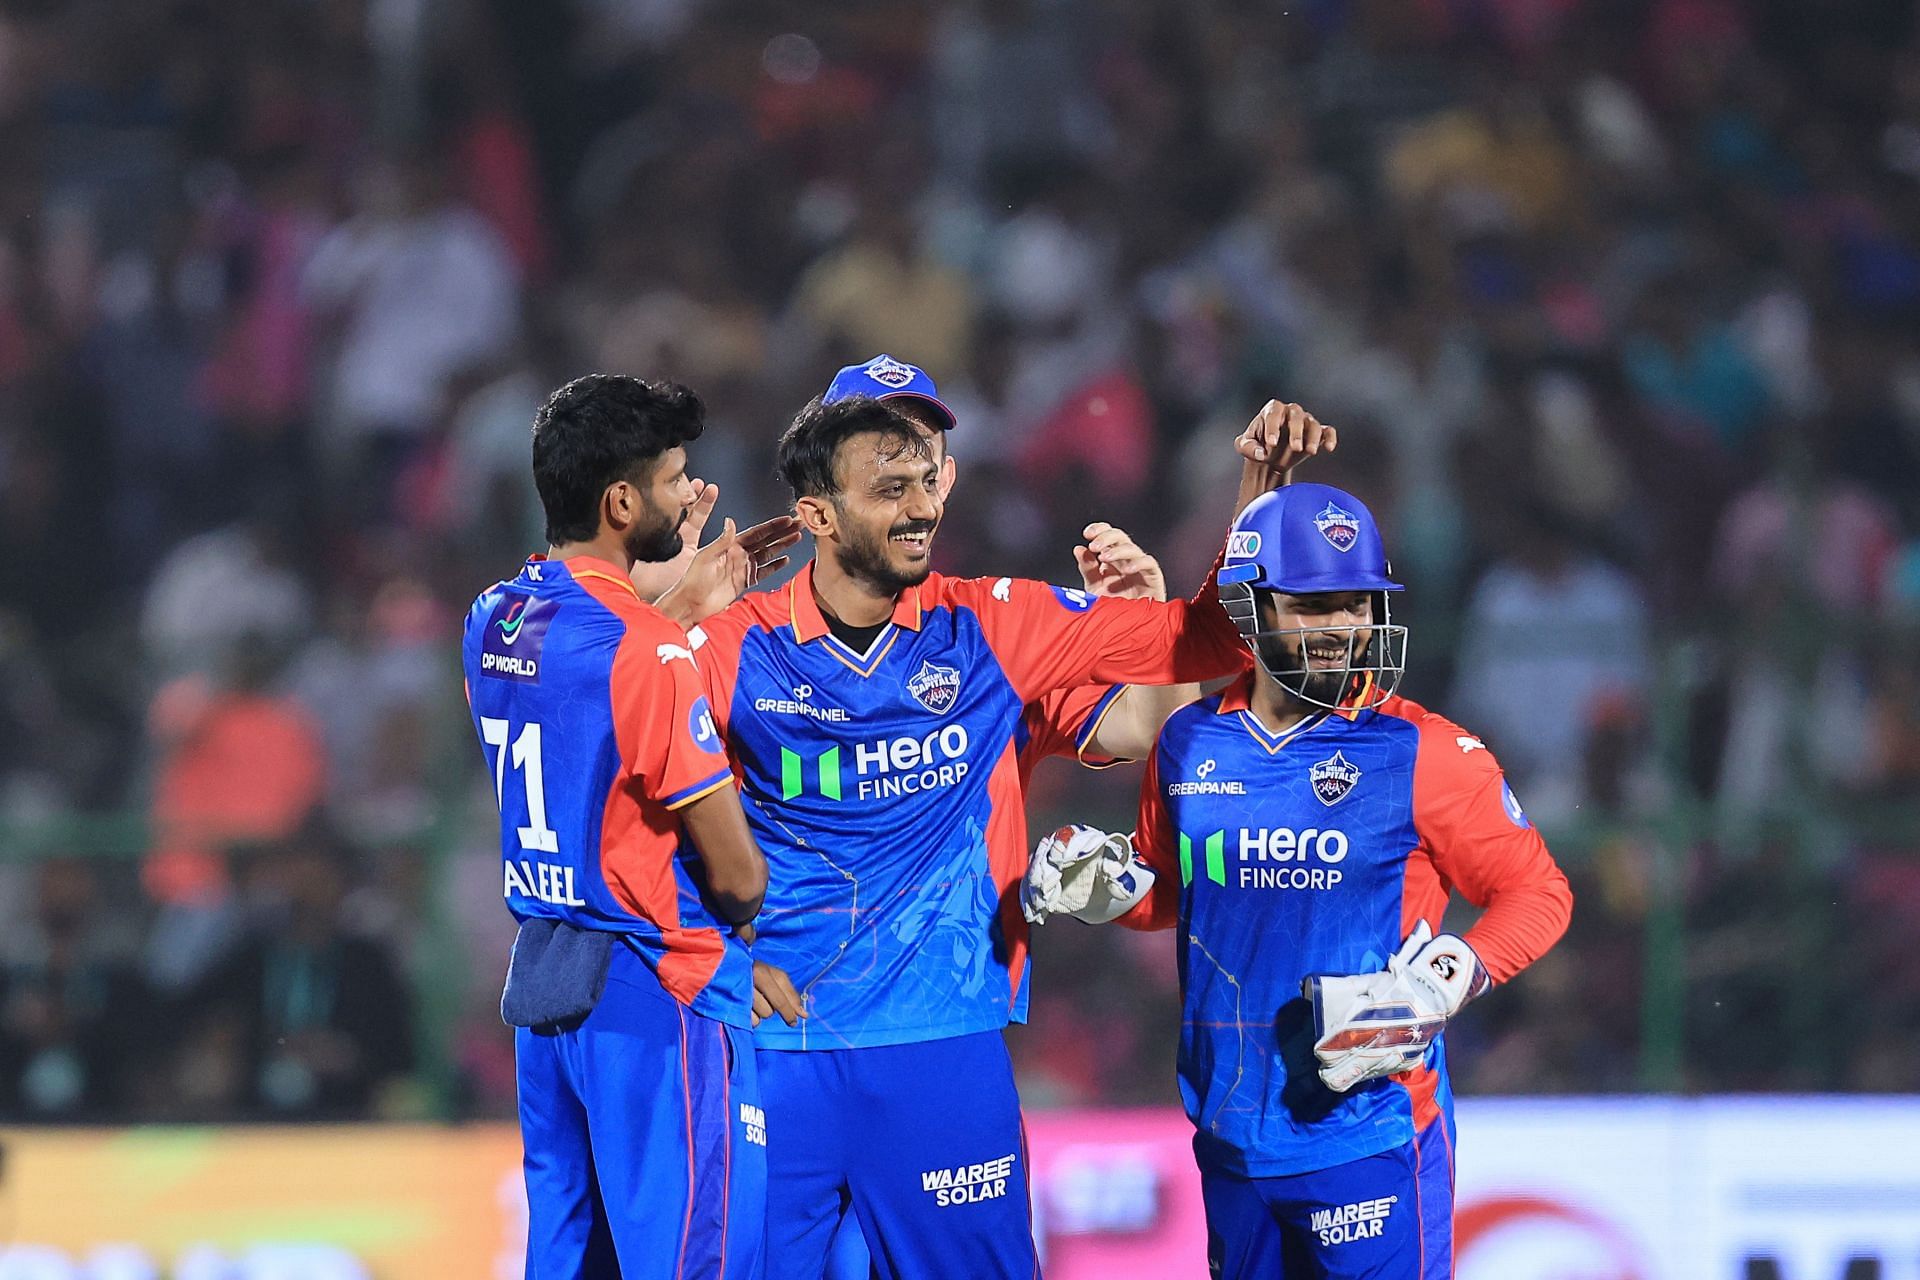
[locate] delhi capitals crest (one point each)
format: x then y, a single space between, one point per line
935 687
1340 527
1332 778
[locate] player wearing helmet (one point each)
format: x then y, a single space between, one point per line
1305 828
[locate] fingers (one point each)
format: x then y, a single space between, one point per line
762 1007
772 986
704 496
1282 434
770 535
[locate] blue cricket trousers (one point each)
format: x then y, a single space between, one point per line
921 1143
645 1144
1385 1217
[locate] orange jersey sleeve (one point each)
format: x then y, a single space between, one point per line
1475 837
663 719
1063 724
1048 638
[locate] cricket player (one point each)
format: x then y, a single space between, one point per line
1099 725
872 708
1303 829
628 861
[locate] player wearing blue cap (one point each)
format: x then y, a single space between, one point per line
874 712
1304 829
1099 725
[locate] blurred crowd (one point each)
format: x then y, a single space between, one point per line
1615 303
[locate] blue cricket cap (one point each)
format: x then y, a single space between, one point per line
885 378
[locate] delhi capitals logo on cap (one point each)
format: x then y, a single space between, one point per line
1332 778
1341 528
935 687
889 372
1243 544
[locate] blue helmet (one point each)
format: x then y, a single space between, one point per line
1313 539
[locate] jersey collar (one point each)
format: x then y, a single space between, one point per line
592 567
1238 696
811 624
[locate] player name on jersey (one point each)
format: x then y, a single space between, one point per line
542 881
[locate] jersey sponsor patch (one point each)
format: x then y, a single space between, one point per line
968 1183
935 687
700 727
1340 527
754 1120
1305 859
1332 778
1511 803
799 705
1206 785
516 633
1361 1220
1072 599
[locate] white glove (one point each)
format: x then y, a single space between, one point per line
1380 1024
1085 873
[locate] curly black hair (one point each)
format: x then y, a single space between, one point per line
599 429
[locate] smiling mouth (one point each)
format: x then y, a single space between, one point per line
915 541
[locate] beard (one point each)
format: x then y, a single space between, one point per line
1322 686
864 558
657 541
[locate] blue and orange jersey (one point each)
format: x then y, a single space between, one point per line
1063 724
596 728
1315 851
885 787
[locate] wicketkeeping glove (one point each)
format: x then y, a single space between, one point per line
1380 1024
1085 873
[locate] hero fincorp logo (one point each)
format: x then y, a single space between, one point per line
515 634
881 769
1306 859
1340 527
968 1183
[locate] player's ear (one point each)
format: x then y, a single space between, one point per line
949 472
816 515
619 506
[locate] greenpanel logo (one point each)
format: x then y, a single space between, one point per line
793 771
1215 849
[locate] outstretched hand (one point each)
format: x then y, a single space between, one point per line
1113 564
702 580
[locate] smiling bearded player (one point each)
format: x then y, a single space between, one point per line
1304 828
872 708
